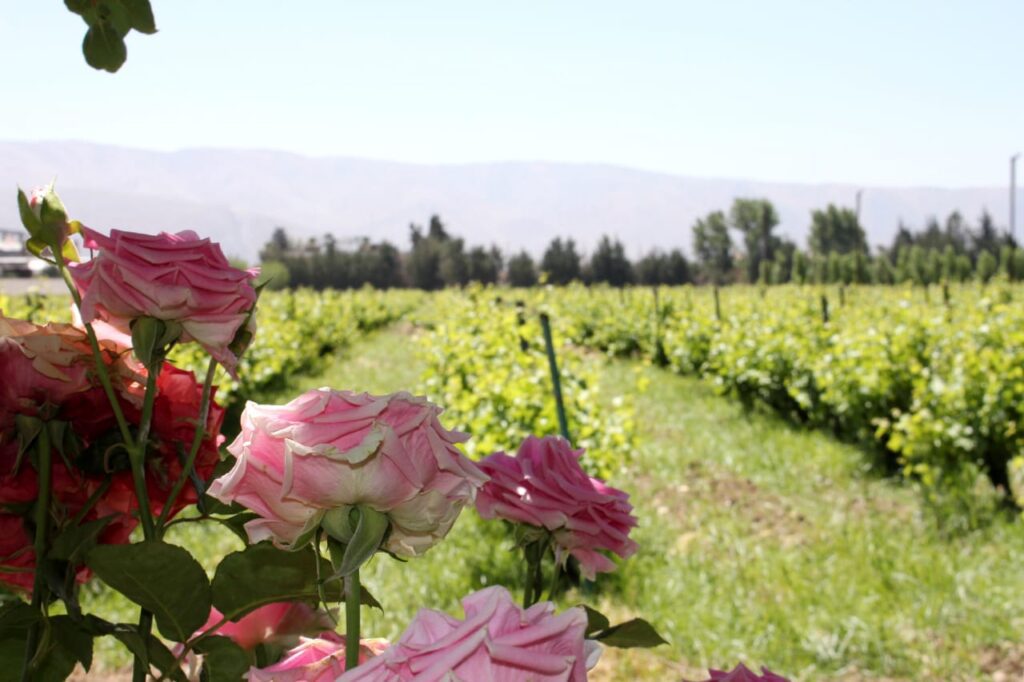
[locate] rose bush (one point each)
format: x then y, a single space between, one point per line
333 450
94 443
171 277
497 641
544 486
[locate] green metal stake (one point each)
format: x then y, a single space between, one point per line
556 381
586 586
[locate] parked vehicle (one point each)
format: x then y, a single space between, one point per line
15 260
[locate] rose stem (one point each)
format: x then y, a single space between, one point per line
352 597
42 510
197 440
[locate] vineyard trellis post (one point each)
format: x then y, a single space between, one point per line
556 381
824 309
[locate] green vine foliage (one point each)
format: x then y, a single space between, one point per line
931 389
487 365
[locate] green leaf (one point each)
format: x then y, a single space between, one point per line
151 651
28 217
28 429
223 660
15 620
12 658
211 505
104 47
263 574
596 621
631 634
79 7
370 528
73 543
236 524
140 14
162 578
36 247
67 645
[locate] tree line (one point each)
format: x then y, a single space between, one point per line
436 259
837 252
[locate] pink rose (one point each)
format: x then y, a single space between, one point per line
316 660
544 486
331 450
497 641
41 364
280 623
177 277
742 673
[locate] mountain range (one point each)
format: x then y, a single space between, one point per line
238 197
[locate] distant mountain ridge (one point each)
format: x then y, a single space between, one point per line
239 196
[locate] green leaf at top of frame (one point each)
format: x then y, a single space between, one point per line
104 47
163 579
140 15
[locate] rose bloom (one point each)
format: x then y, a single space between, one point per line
315 660
545 486
177 277
46 364
497 642
331 449
742 673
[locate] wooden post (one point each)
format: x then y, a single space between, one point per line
718 306
824 309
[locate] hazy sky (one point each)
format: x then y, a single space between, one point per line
880 93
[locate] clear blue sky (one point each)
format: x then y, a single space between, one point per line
889 93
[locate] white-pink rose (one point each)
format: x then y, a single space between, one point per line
497 642
171 277
545 486
332 450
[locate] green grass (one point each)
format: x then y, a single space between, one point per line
758 542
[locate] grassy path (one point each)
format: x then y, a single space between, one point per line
769 544
759 542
